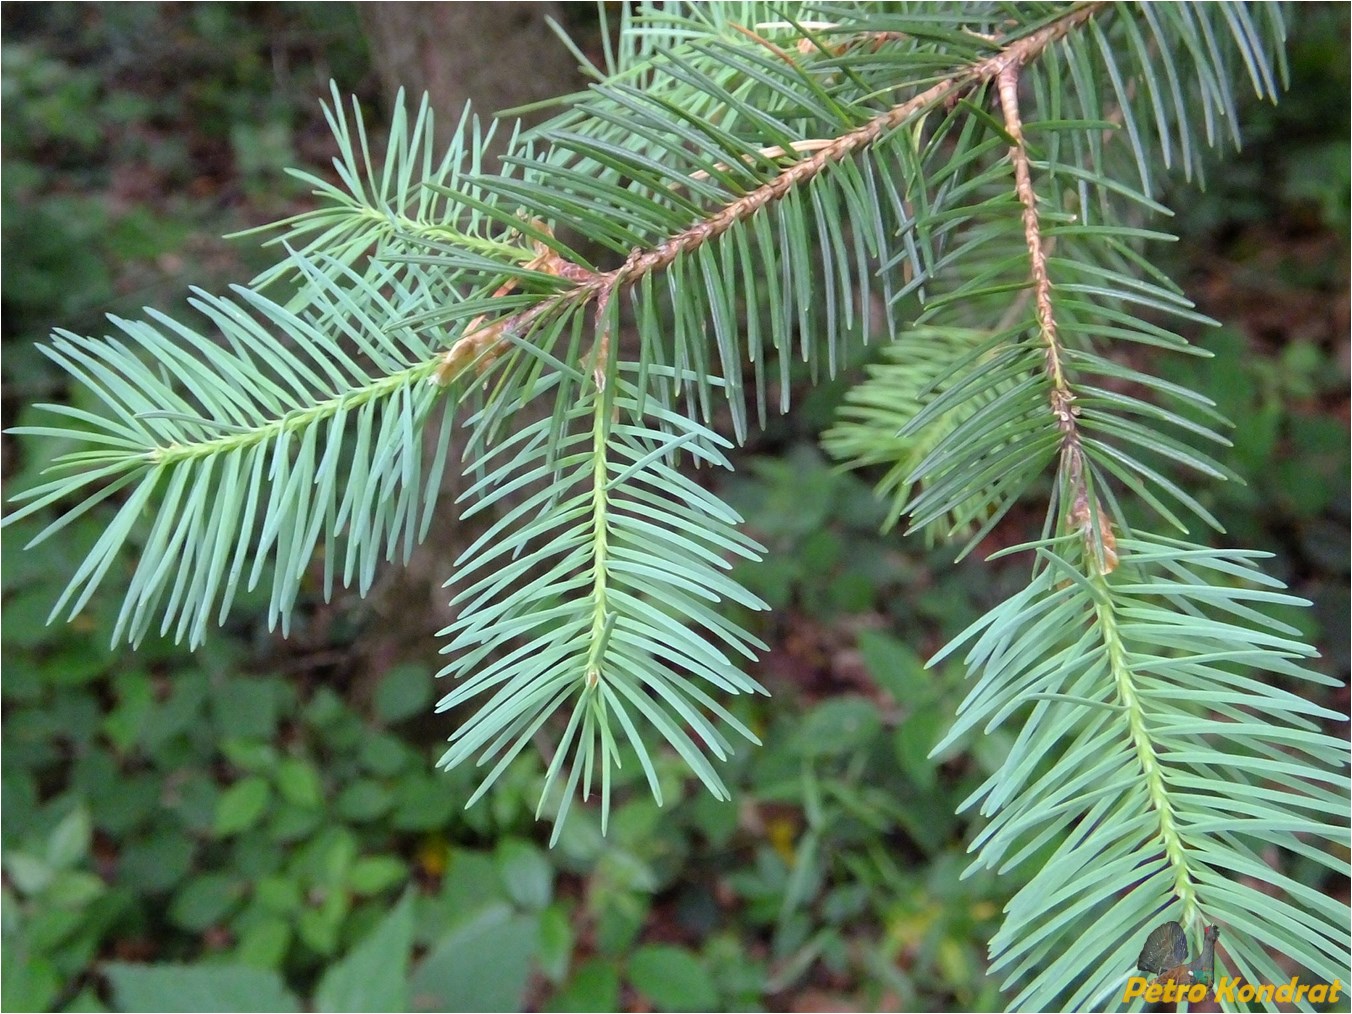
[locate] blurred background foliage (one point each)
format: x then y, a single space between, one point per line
258 826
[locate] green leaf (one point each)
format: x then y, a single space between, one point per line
483 964
265 943
422 803
250 755
838 727
29 981
74 889
319 926
279 893
136 701
672 979
30 874
325 860
556 941
204 901
404 691
913 741
158 862
525 873
197 988
374 874
298 783
242 805
373 976
363 800
246 708
386 755
594 986
897 668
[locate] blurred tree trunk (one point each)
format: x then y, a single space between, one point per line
498 55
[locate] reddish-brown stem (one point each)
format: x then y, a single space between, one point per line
1086 513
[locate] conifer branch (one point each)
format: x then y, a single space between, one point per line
482 342
1143 743
1099 541
760 198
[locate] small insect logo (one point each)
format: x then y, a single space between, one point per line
1176 979
1165 956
